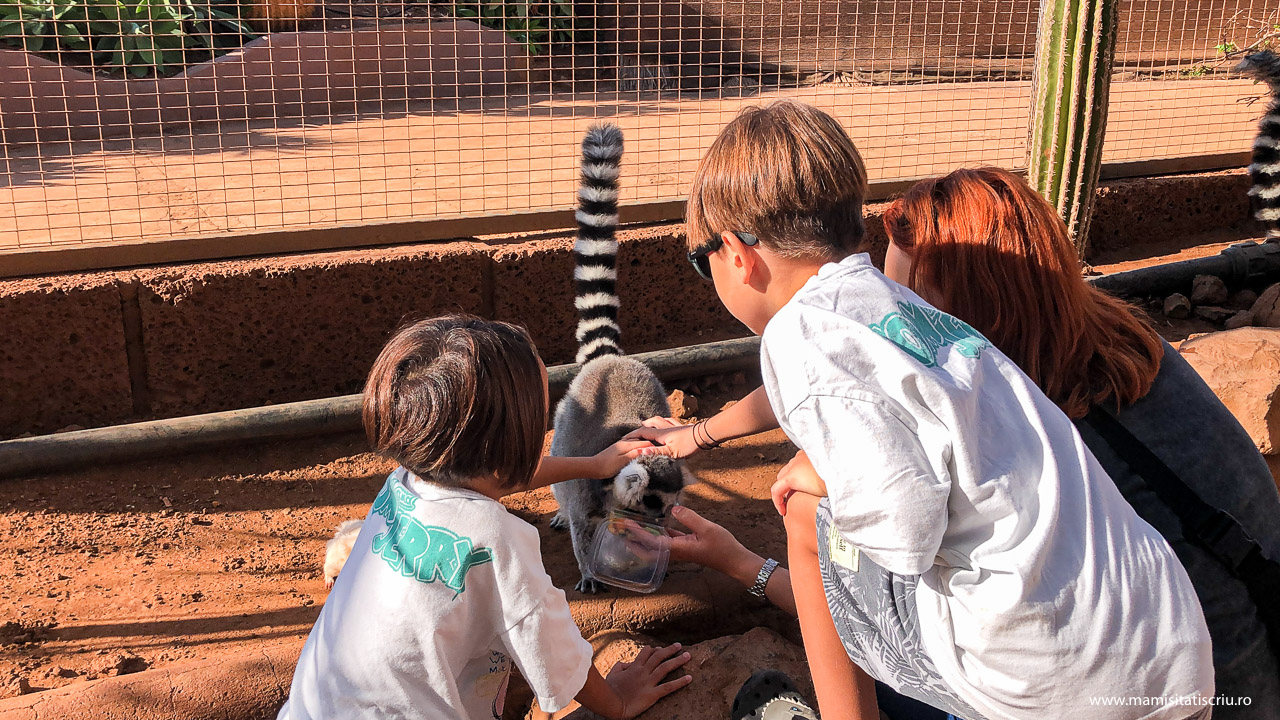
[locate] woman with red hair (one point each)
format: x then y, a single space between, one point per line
983 246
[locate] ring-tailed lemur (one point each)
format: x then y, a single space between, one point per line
612 394
1264 169
643 74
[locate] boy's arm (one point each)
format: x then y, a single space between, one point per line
750 415
798 475
634 687
753 414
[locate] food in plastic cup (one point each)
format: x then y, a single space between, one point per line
630 551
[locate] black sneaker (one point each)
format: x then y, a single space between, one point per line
770 695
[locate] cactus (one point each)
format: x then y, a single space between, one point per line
1075 49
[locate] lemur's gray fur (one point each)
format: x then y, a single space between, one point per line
1264 169
613 394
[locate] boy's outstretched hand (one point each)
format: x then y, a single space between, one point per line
639 682
675 439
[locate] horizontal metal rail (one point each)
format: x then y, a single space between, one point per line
328 416
1245 262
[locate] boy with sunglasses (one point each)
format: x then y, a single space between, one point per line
948 532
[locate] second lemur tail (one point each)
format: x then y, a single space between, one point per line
1264 168
595 252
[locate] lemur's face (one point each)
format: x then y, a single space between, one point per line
1264 65
651 485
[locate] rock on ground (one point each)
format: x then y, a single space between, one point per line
15 685
719 667
1244 318
683 406
118 663
1177 306
1242 300
1208 290
1266 310
1243 369
1213 313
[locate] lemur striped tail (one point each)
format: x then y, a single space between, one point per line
1264 169
595 252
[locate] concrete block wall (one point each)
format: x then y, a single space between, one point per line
106 348
1138 211
218 336
63 358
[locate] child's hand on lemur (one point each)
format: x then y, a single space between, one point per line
610 461
675 438
796 476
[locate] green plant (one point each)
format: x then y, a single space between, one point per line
1248 34
216 26
38 25
141 37
536 24
137 37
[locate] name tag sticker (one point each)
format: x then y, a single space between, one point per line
842 553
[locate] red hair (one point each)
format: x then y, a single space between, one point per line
988 249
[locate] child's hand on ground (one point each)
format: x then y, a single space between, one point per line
675 438
639 683
796 476
609 461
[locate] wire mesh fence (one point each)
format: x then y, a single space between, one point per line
1174 93
126 121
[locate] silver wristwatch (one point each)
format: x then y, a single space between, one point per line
762 578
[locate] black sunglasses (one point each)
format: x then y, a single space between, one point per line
698 256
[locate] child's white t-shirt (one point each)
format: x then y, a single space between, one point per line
1042 593
444 589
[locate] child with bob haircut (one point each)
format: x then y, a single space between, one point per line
949 534
445 588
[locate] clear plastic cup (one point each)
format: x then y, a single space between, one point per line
630 551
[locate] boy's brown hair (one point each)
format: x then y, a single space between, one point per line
787 173
457 397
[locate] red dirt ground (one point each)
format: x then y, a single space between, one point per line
117 569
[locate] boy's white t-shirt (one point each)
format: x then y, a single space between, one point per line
1042 592
443 590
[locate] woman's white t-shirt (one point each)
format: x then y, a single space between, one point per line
443 590
1042 593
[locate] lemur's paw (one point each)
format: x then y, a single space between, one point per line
559 522
589 586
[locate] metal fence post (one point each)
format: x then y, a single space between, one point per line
1075 49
